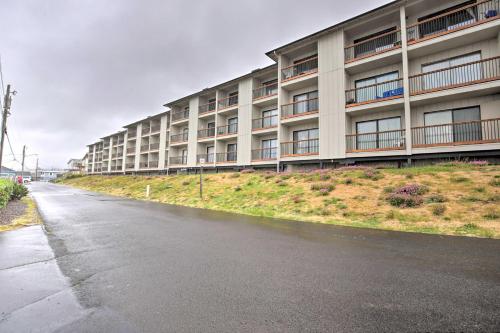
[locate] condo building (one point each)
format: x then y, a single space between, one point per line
411 80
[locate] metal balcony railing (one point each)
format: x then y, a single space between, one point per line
300 107
180 115
460 133
144 147
130 150
305 67
209 158
207 108
153 164
228 102
155 128
227 129
384 140
131 134
265 122
454 20
177 138
300 148
270 89
206 133
264 154
178 160
145 130
375 45
227 157
376 92
154 146
457 76
129 166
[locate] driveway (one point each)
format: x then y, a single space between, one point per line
146 267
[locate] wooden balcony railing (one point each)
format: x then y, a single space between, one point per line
264 154
265 122
227 129
375 45
177 160
374 93
460 133
209 158
268 90
228 102
206 133
207 108
376 141
300 108
457 76
308 66
227 157
180 115
300 148
454 20
177 138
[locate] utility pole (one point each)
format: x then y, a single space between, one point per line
36 170
5 114
22 164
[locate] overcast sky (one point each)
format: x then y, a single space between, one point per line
84 68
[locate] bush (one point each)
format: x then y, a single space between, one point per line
372 174
435 198
18 191
6 188
411 189
409 195
324 177
348 181
492 215
438 210
323 186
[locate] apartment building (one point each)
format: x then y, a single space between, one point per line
407 81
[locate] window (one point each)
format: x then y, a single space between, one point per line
232 125
373 88
211 128
269 118
184 156
233 98
211 104
456 125
369 44
303 66
231 152
185 132
270 87
448 22
440 76
305 102
269 148
210 154
380 133
306 141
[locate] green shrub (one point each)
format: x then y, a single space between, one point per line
492 215
18 191
438 210
409 195
435 198
6 188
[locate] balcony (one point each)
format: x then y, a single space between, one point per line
205 133
228 102
264 123
373 46
132 135
265 91
227 130
130 150
227 157
460 133
145 130
155 128
476 72
179 138
264 154
300 148
208 158
180 115
153 164
300 108
144 147
104 157
454 20
300 69
129 166
374 93
177 160
154 146
207 108
376 141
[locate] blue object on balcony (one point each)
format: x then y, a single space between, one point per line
393 92
490 13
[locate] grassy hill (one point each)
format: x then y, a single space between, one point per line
453 198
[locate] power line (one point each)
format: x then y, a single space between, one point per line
1 77
10 145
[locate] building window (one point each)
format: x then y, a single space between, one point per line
305 102
456 125
380 133
373 88
373 44
232 125
269 148
231 152
269 118
306 141
210 154
439 76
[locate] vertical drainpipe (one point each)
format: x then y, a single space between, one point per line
406 83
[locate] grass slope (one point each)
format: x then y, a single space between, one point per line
462 199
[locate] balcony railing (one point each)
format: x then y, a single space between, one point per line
143 165
300 148
227 129
375 92
120 141
209 158
177 138
207 108
375 45
178 160
265 122
264 154
153 164
300 108
144 147
154 146
270 89
305 67
130 150
385 140
132 135
155 128
460 133
227 157
145 130
454 20
228 102
129 166
206 133
180 115
457 76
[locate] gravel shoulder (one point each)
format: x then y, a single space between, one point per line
14 209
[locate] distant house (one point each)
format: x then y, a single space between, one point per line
7 173
48 175
76 165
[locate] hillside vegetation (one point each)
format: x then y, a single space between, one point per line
454 198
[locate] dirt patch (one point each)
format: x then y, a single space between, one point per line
13 210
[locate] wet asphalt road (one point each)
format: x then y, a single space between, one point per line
134 266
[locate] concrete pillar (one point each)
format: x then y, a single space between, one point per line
138 142
406 82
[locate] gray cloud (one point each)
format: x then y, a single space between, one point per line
85 68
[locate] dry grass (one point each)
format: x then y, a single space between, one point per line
29 217
471 208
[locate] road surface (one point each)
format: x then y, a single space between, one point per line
133 266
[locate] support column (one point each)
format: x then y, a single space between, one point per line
406 81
